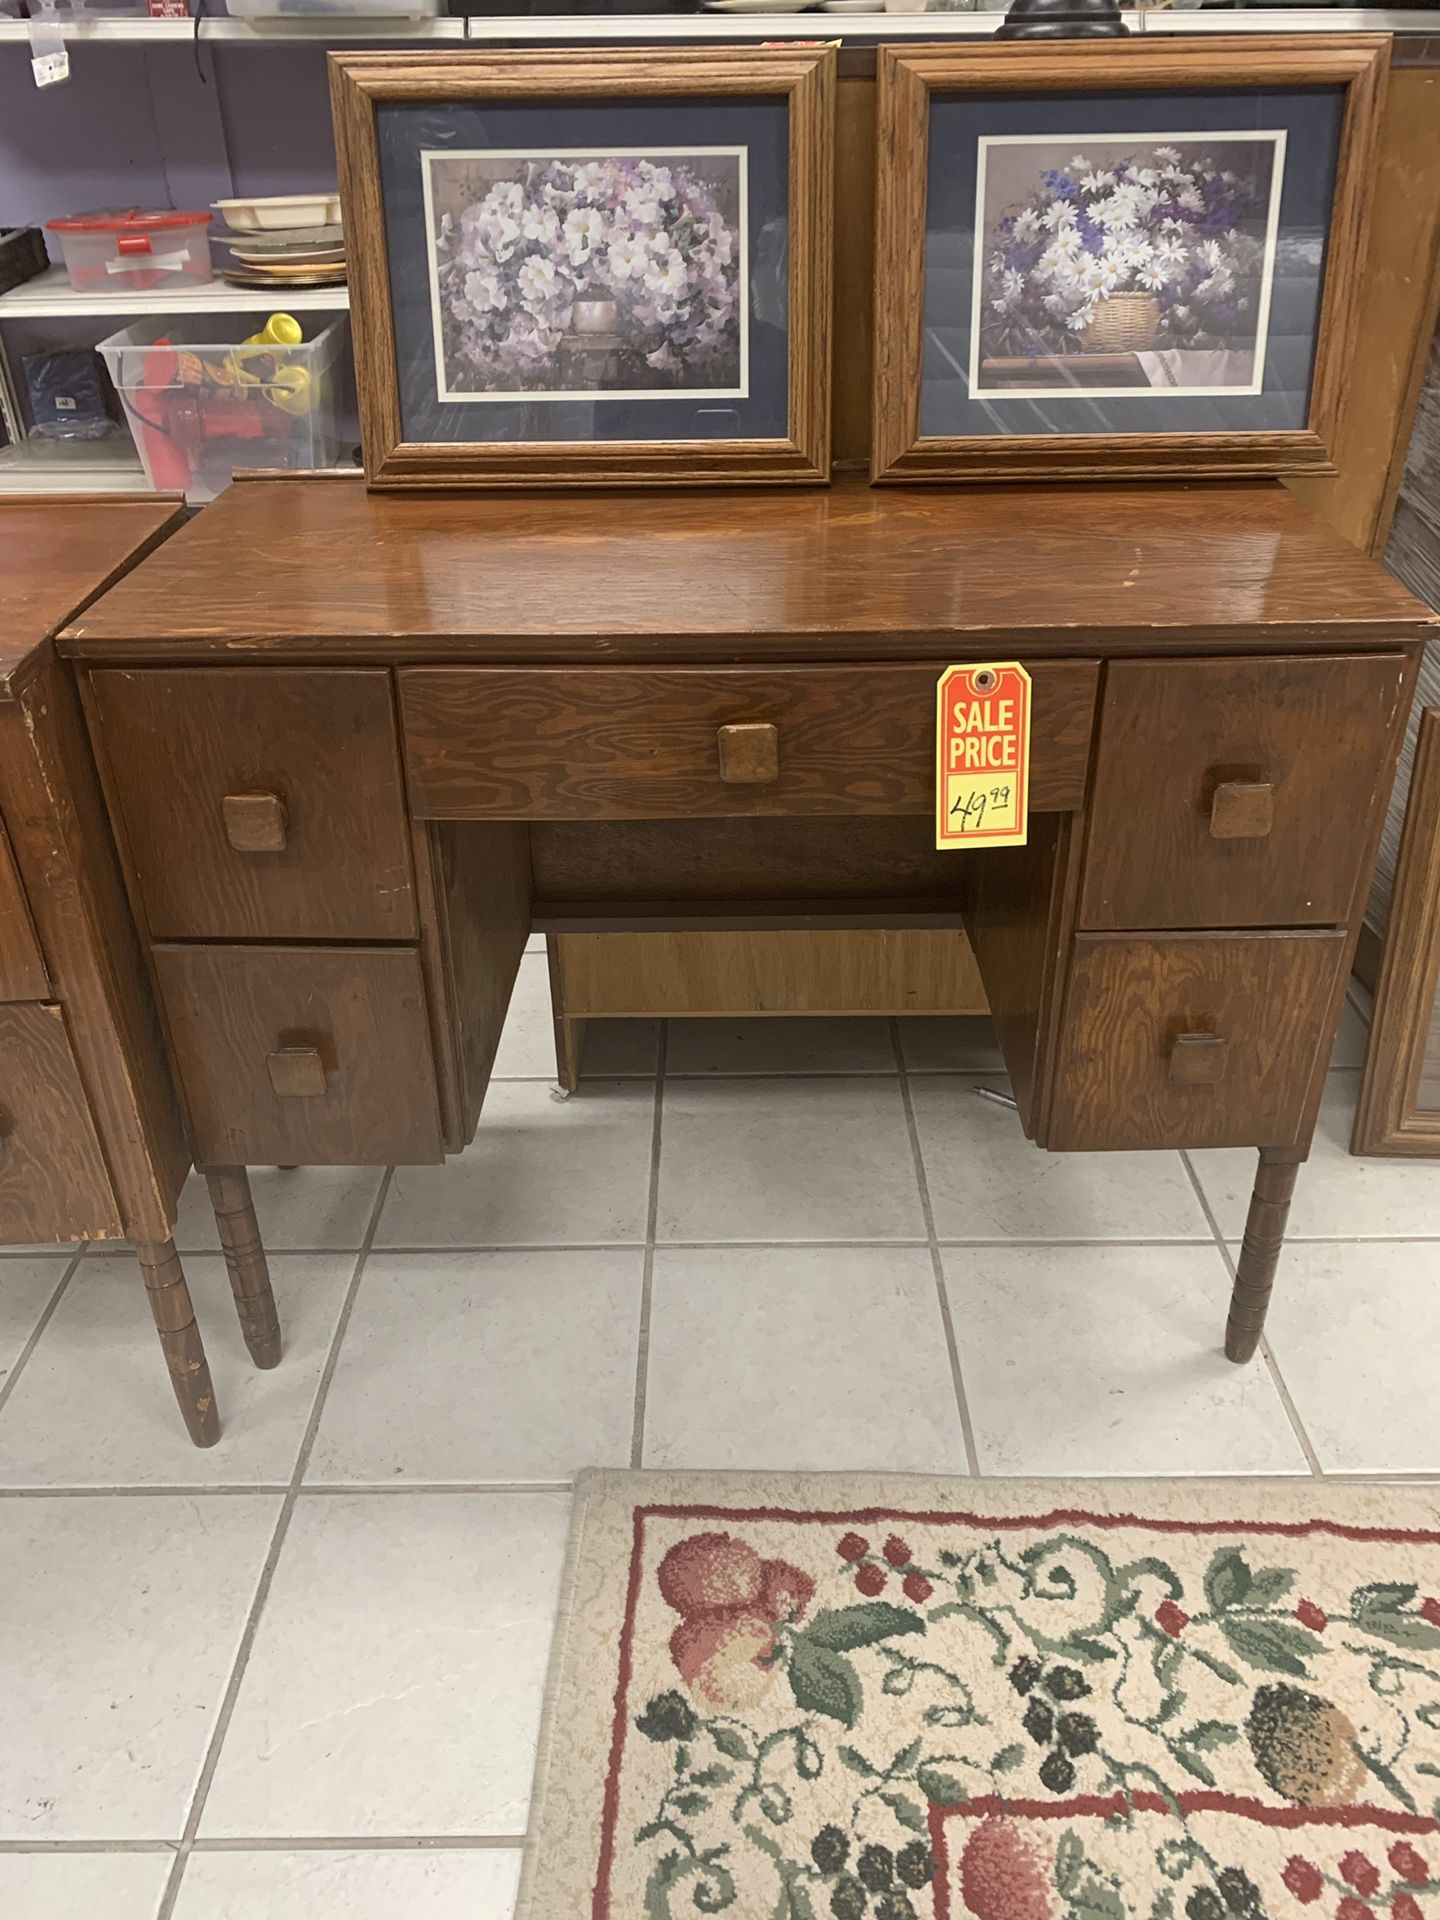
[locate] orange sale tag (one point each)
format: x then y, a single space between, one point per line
982 756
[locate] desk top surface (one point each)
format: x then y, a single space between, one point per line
322 568
56 554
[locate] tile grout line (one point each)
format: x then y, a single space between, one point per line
937 1268
47 1314
647 1277
1277 1379
267 1572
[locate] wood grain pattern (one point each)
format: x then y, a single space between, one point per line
1269 997
362 1008
61 839
804 77
1391 1116
618 744
324 745
59 553
1317 732
603 976
907 77
53 1183
22 965
482 921
847 572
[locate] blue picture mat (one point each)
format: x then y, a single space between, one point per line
760 125
1311 117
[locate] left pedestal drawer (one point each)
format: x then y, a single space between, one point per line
53 1183
302 1056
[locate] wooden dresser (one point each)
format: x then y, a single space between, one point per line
355 746
92 1146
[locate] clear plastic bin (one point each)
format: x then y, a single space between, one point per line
134 252
201 400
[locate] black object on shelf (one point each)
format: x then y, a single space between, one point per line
68 394
22 256
1062 20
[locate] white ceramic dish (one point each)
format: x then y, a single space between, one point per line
757 6
292 256
288 210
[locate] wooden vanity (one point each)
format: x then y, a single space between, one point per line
356 746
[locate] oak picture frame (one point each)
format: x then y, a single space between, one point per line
362 82
909 77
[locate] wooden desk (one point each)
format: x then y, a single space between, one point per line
396 732
91 1141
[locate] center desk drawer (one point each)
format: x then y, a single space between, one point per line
626 743
302 1056
260 803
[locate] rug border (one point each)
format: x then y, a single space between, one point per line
1311 1498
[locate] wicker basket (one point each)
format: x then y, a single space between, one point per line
1125 323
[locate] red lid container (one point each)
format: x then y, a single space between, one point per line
126 250
129 220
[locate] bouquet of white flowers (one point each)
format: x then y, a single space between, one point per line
1186 236
650 239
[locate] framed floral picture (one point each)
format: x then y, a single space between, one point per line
612 269
1119 257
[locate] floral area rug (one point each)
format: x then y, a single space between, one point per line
798 1697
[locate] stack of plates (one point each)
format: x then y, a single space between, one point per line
290 240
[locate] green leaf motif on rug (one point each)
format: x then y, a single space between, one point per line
824 1682
843 1629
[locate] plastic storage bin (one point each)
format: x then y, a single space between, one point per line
201 400
134 252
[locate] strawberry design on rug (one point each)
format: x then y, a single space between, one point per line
1063 1714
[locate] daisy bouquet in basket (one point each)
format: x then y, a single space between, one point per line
1161 249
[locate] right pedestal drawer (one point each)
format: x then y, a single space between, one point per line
1237 793
1193 1040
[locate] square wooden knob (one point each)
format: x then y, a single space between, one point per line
297 1073
1198 1059
1242 810
255 822
749 753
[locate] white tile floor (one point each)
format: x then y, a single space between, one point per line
298 1677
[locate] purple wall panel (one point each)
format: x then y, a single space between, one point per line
89 143
275 105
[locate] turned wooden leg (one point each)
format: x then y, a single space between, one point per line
1260 1251
245 1259
180 1338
